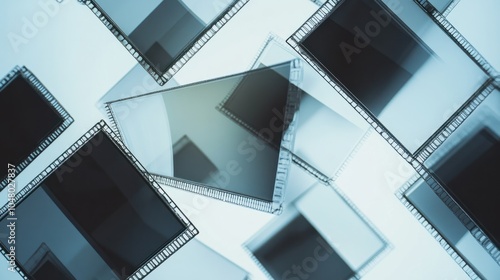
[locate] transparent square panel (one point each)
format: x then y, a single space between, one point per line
94 205
444 225
466 165
392 62
227 138
308 242
469 16
208 264
327 127
161 32
31 118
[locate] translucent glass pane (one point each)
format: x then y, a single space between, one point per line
314 243
210 134
392 58
95 208
32 117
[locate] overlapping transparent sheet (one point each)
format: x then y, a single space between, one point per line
333 241
30 117
456 189
475 26
197 261
219 137
400 70
327 128
96 214
164 34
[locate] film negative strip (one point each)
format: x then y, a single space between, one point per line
441 21
271 204
432 230
98 135
188 51
59 114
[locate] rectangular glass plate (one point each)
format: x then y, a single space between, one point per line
94 205
211 138
438 217
197 261
308 242
164 34
30 117
327 128
399 69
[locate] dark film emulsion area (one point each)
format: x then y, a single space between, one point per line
470 174
367 50
95 209
298 251
27 117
